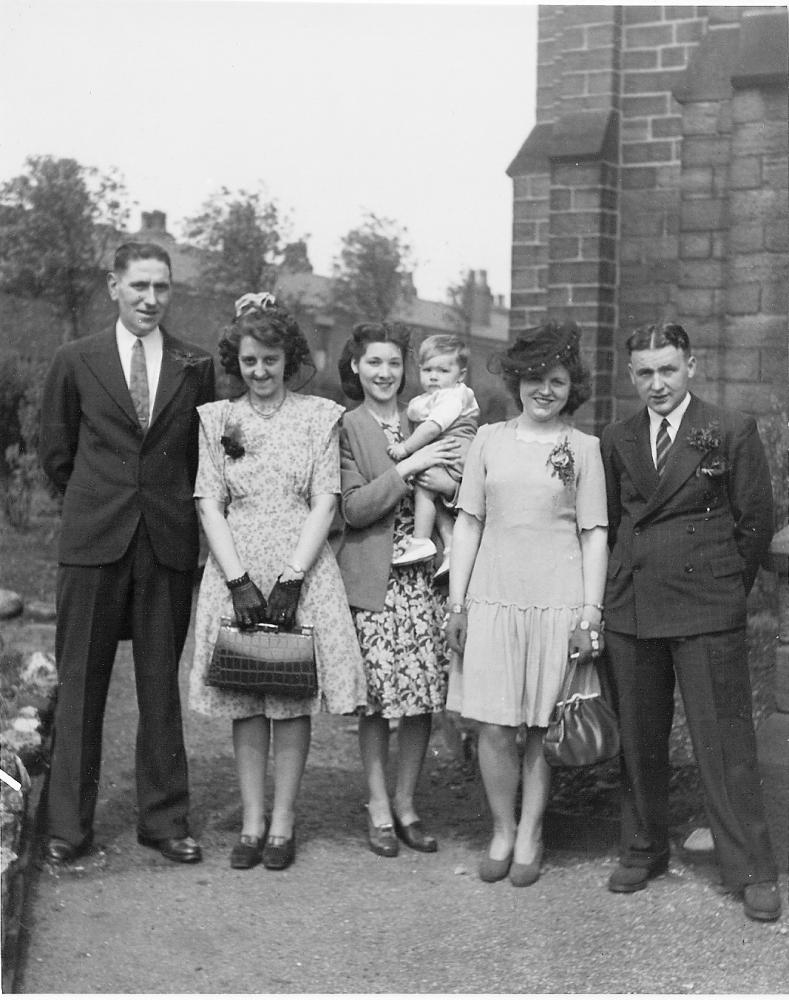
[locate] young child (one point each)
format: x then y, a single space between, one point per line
447 407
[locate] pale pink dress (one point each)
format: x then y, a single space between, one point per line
526 589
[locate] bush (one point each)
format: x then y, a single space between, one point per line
21 387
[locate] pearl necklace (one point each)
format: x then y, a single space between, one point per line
268 414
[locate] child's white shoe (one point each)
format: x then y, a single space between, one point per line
442 572
417 550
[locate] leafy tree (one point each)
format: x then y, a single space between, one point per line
373 272
243 234
57 220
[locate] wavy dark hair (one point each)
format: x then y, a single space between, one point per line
538 350
362 335
271 327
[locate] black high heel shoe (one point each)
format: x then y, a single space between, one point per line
382 839
414 836
280 852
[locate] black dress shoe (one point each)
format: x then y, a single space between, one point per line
762 901
279 852
633 878
382 839
183 849
61 852
414 836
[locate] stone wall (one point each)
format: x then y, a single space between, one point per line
654 187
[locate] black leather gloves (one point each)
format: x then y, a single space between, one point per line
249 604
282 603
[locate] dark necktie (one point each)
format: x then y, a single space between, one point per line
138 383
663 446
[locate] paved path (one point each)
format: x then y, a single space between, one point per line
124 920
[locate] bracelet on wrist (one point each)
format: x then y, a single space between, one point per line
456 609
591 604
238 582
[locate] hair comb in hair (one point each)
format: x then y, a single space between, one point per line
254 300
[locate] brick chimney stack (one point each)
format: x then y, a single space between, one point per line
154 223
481 298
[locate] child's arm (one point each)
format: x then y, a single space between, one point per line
424 434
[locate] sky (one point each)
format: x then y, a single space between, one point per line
410 111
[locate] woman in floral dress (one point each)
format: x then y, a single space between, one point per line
529 556
396 611
266 488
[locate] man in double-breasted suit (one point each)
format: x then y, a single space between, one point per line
119 438
690 518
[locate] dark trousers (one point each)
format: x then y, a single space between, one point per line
97 606
713 678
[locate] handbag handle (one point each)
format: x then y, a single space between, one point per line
266 627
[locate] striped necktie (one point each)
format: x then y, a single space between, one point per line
663 446
138 383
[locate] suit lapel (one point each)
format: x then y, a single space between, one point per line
171 374
683 460
103 360
637 455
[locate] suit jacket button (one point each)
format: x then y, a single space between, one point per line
688 568
636 531
691 529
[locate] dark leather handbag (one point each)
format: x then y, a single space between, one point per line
583 729
264 660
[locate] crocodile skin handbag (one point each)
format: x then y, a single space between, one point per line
264 660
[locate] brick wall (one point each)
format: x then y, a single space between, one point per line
654 187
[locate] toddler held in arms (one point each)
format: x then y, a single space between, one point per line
447 408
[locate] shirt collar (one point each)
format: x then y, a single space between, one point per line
674 418
126 339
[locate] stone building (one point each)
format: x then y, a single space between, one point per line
654 187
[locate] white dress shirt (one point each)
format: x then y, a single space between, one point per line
152 345
674 420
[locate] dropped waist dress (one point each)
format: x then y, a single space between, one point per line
286 460
525 595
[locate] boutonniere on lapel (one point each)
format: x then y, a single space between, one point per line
185 358
705 440
562 462
232 441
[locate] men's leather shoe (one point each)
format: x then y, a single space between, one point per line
631 879
183 849
414 836
762 901
61 852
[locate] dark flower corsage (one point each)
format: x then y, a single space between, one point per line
562 462
186 359
707 439
231 442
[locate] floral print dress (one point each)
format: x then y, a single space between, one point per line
403 645
266 475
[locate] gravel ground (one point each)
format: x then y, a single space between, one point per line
341 920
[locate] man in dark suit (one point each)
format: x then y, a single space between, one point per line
690 518
119 438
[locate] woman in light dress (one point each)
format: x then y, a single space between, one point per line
267 488
529 556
